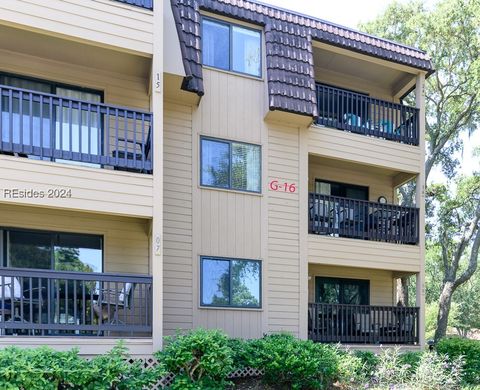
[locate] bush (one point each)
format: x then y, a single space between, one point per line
352 372
411 360
44 368
199 359
470 350
434 372
369 361
294 364
390 369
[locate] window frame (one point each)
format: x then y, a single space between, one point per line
229 142
4 237
230 41
230 305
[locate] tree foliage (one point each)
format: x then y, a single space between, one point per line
449 32
457 238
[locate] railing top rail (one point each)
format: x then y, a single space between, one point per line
74 275
362 201
346 92
365 306
5 88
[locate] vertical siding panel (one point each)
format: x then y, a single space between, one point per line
283 235
178 301
229 223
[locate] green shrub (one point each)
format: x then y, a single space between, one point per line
470 350
198 358
434 372
44 368
295 364
411 360
245 353
369 361
352 372
390 369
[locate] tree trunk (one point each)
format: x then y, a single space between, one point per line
444 306
402 290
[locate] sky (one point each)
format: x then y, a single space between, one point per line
350 13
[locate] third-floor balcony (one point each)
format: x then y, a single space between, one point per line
59 128
359 113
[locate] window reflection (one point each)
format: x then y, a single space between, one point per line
57 251
228 282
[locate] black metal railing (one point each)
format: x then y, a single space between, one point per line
148 4
358 113
56 303
363 324
59 128
352 218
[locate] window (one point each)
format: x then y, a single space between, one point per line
50 250
342 291
62 129
231 47
343 190
230 282
230 165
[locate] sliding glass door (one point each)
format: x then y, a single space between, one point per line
28 123
342 291
51 250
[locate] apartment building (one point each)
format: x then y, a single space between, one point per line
205 163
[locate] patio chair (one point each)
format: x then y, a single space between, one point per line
142 150
12 297
112 301
363 323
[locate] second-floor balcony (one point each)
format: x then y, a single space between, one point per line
361 114
58 128
365 220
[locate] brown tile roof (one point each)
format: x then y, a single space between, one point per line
289 53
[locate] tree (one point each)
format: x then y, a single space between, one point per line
450 34
458 239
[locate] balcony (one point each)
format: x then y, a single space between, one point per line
363 324
57 128
54 303
361 114
364 220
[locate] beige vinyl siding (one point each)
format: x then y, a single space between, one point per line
227 223
126 243
121 89
353 83
92 189
99 190
177 218
378 184
102 22
283 279
333 143
363 253
381 281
